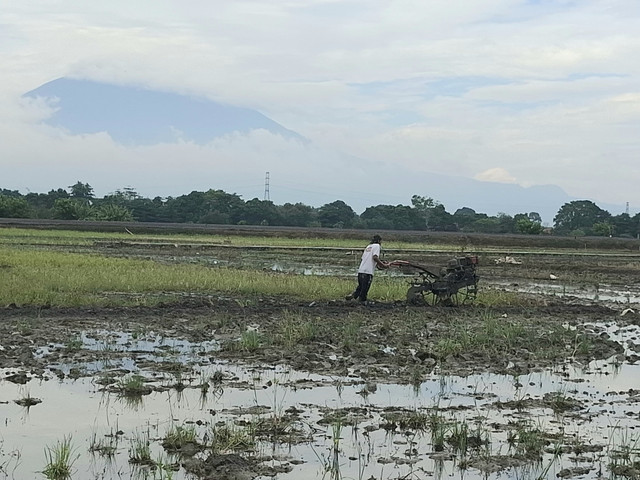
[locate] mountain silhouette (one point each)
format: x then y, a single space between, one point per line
137 116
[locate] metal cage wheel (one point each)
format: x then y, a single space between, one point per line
468 294
415 295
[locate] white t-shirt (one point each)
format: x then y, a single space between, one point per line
368 264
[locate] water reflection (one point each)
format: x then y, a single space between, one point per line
466 419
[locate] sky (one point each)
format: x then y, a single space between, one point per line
524 92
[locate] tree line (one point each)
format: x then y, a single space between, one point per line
78 202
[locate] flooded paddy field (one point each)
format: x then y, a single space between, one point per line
227 386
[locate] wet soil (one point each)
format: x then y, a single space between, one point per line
393 342
380 342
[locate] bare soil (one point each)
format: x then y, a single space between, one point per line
383 341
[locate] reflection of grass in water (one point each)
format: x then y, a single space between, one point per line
228 437
132 385
105 446
140 450
458 437
531 443
437 425
527 440
74 344
27 400
6 467
178 436
130 389
336 437
164 469
624 452
59 460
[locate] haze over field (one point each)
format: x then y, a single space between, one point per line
503 106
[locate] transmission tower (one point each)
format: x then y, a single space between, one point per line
266 187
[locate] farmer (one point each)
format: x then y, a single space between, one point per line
370 261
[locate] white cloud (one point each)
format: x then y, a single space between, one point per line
547 90
497 174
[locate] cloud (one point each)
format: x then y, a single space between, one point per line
497 174
547 90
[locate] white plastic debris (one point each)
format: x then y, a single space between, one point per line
509 260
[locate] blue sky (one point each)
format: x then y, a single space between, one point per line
512 91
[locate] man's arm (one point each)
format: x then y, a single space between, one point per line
379 263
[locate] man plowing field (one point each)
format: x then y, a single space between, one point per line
369 263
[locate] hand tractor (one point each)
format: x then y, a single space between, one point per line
455 284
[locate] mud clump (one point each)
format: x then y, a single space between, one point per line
223 467
393 342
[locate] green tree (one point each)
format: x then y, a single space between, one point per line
298 215
440 219
10 193
506 222
81 190
425 206
121 197
261 212
148 210
14 207
42 203
486 225
603 229
464 217
389 217
535 217
186 208
112 213
336 215
221 207
624 225
212 206
528 227
71 209
579 215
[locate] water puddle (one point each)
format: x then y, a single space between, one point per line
627 294
577 417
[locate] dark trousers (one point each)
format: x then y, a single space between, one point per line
364 283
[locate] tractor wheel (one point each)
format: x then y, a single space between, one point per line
415 295
468 294
445 299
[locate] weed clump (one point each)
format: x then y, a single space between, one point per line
60 459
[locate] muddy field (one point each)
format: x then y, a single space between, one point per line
227 387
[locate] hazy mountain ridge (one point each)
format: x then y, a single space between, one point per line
135 116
